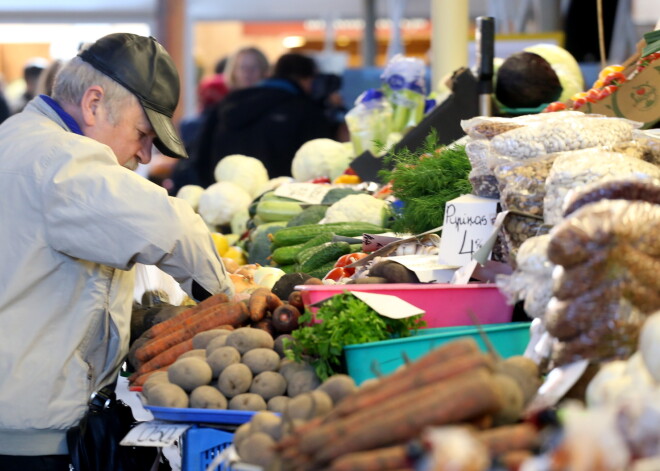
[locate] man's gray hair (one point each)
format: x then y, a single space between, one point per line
76 76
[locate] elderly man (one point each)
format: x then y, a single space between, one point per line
75 219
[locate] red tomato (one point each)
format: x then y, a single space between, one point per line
609 70
616 78
555 106
607 91
592 95
347 260
321 180
578 103
335 274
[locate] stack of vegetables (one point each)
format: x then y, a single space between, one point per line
373 427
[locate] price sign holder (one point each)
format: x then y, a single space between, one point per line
154 433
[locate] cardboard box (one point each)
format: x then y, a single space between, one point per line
637 99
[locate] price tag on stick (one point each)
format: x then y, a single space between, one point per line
154 433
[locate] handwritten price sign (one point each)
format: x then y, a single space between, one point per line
154 433
467 225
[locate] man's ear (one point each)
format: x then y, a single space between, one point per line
90 104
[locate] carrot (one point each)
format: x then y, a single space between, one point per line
169 324
137 379
233 314
463 397
508 438
438 377
166 358
258 304
392 384
389 458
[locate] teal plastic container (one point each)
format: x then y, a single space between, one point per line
368 360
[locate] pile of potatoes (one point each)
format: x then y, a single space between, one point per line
255 440
240 369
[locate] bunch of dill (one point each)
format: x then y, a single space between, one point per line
424 180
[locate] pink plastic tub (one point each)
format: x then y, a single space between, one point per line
445 305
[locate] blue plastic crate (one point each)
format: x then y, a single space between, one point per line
200 445
363 360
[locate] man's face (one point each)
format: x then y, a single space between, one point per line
131 137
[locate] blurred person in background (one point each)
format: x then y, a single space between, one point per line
245 68
4 105
47 78
269 121
31 73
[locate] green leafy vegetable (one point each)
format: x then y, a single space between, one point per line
424 181
344 320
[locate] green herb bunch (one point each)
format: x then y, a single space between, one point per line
424 181
342 320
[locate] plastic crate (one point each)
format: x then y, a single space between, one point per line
200 445
446 305
365 359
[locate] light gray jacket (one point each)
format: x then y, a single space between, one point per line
73 222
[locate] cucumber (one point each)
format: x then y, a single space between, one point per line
309 215
322 255
316 241
301 234
274 210
286 255
321 271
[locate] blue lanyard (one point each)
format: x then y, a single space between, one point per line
66 117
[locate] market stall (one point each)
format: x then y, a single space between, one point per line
374 323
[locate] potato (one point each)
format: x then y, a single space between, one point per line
300 407
207 397
289 367
216 342
154 379
258 449
202 339
278 404
248 338
268 423
302 382
247 401
322 402
268 384
167 395
279 344
261 359
338 387
198 352
512 400
234 380
189 373
221 358
241 433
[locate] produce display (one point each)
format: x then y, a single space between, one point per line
577 248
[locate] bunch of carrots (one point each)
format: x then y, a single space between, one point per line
163 343
369 429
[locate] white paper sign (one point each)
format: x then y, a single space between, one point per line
388 306
306 192
426 267
384 304
154 433
557 383
467 225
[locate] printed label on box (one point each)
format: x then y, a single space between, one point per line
468 223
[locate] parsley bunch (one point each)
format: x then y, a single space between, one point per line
344 320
